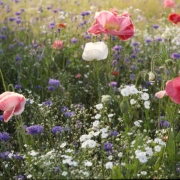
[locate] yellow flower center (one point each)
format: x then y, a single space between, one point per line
112 26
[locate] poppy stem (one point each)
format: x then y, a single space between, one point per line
3 82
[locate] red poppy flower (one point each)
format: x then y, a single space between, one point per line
61 25
108 23
115 73
174 18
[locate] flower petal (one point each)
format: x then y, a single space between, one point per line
19 108
8 114
10 100
160 94
5 94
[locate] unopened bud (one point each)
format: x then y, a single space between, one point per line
106 99
152 76
124 106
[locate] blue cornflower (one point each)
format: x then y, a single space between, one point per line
108 147
54 82
135 43
57 129
12 19
52 25
19 177
148 40
69 113
48 103
132 77
56 169
4 136
17 86
114 133
87 36
64 109
74 40
18 156
164 124
4 155
51 88
113 84
35 129
155 26
175 55
117 48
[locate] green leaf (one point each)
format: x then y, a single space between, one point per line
116 173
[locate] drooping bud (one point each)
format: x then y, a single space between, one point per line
152 76
106 99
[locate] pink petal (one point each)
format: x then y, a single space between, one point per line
10 101
8 114
176 83
172 92
5 94
19 108
160 94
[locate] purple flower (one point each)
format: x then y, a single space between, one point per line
55 11
3 36
133 77
133 67
48 103
64 109
114 133
35 129
1 118
54 82
159 39
18 13
69 114
135 43
52 25
148 40
12 19
164 124
175 56
19 177
56 169
4 155
18 58
51 88
4 136
117 48
155 26
18 156
85 13
114 63
18 21
74 40
57 129
38 87
87 36
108 147
17 86
113 84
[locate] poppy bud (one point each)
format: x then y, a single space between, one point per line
169 62
106 99
124 106
152 76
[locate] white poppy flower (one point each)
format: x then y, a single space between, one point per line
97 50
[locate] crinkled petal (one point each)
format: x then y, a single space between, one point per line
161 94
8 114
172 92
5 94
19 108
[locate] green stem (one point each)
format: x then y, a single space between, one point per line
3 82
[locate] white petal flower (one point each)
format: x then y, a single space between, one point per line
147 104
132 101
97 50
99 106
87 163
97 116
109 165
145 96
157 148
96 123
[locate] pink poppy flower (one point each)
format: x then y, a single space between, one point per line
173 89
12 104
77 76
169 4
174 18
57 44
108 23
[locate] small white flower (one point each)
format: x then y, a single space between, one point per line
144 173
133 101
86 173
63 145
120 154
87 163
29 176
110 115
124 92
137 123
149 151
147 104
133 90
143 159
145 96
104 135
69 150
97 116
84 137
33 153
96 123
157 148
99 106
64 173
110 157
109 165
